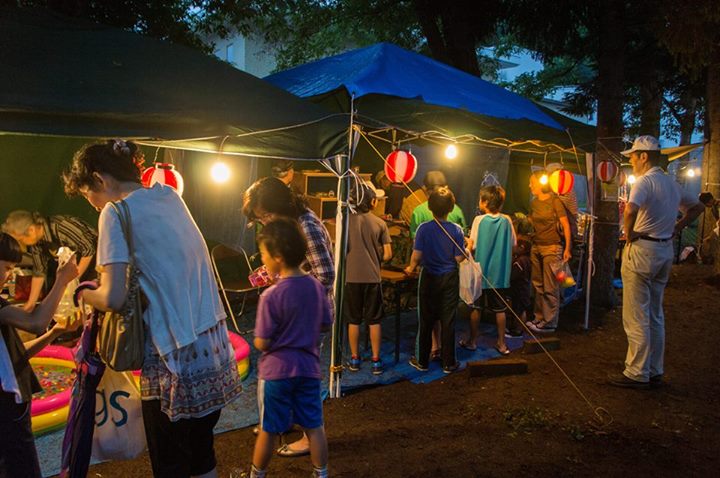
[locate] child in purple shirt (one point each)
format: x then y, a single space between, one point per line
290 317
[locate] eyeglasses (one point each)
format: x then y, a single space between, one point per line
263 218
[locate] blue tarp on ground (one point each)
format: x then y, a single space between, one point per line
387 69
243 412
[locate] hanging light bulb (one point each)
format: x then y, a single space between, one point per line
451 151
690 173
631 179
544 179
220 172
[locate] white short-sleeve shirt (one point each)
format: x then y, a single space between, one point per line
658 198
176 272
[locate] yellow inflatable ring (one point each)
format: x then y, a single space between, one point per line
50 413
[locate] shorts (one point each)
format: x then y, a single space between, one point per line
289 400
181 448
520 301
18 456
490 300
363 301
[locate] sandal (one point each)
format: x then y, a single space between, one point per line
467 345
288 452
502 352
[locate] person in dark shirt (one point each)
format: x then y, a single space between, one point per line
395 193
18 456
43 236
520 287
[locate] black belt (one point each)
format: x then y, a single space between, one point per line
654 239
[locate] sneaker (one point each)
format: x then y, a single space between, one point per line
377 367
354 364
451 368
513 334
540 328
416 365
620 380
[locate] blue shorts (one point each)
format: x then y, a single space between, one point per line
287 401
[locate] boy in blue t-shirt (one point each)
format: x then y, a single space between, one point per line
439 248
492 238
290 317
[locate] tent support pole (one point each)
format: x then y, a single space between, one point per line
341 232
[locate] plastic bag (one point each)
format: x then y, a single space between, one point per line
563 275
119 429
65 310
470 281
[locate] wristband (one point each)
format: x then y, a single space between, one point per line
88 284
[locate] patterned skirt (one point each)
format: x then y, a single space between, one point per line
195 380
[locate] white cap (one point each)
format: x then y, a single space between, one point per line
643 143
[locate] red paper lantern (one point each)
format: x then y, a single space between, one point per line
163 173
607 170
400 166
561 181
622 178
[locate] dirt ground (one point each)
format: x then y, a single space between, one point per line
534 424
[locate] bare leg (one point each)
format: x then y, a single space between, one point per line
500 320
474 327
375 340
318 446
354 337
264 448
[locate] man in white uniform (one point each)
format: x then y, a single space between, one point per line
650 224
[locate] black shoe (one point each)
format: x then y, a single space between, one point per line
451 368
416 365
656 381
513 334
620 380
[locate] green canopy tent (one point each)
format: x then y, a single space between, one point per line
66 81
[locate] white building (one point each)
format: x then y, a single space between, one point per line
250 54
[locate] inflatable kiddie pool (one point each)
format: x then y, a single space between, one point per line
242 356
54 367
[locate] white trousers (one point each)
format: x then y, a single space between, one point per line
645 271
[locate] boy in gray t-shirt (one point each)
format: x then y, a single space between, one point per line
368 246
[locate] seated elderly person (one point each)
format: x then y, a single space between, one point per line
41 237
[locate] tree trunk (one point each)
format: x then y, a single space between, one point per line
687 120
711 156
452 30
611 64
651 106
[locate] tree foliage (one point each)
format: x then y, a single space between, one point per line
178 21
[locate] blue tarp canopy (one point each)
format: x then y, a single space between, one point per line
386 69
